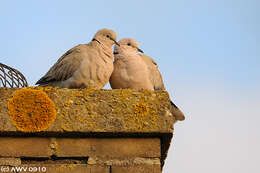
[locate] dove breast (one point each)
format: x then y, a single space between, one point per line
130 71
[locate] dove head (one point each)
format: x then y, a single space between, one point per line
106 36
127 44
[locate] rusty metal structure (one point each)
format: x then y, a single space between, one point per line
11 78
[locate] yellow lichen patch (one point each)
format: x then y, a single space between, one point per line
142 118
141 108
31 110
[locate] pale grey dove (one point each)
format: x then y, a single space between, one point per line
85 65
137 71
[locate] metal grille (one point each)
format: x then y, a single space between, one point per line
10 77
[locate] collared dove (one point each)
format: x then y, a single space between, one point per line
137 71
85 65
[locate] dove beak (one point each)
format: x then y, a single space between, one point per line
115 42
140 50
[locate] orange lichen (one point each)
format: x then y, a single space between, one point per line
31 110
141 108
142 118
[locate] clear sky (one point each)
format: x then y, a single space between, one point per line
207 50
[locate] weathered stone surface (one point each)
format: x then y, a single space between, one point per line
137 169
131 161
108 147
136 165
29 147
10 161
101 111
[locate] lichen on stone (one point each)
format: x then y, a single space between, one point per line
141 108
89 110
31 110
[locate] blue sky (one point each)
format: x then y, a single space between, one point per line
207 50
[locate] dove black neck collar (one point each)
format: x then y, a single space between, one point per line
96 40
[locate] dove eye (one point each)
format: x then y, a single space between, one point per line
128 44
108 36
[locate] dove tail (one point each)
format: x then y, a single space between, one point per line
177 112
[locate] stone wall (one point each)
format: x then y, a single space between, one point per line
96 131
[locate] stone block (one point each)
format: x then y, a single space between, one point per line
88 110
24 147
108 147
137 169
